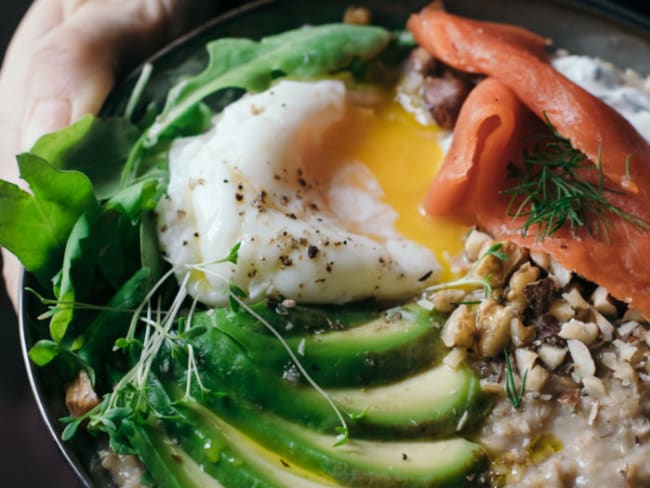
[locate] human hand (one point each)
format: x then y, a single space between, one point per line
64 59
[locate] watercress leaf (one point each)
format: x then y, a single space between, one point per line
43 352
97 147
135 199
237 291
195 332
343 436
122 343
35 227
233 255
70 430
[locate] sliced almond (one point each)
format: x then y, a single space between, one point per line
455 358
576 300
536 378
601 301
561 310
583 363
551 356
594 387
525 360
586 332
605 326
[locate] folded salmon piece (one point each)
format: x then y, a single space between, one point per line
493 127
492 49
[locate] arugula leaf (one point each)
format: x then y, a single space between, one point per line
36 227
112 323
97 147
64 288
241 63
137 198
100 250
301 53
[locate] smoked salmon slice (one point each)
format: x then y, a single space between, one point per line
488 48
492 129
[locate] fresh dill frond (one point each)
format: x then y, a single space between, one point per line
514 394
559 186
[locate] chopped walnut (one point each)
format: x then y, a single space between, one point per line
497 269
460 328
519 282
357 16
80 396
539 296
493 324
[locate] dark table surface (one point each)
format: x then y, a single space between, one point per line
28 455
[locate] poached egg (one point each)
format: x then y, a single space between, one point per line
321 194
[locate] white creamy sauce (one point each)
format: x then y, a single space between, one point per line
625 91
246 181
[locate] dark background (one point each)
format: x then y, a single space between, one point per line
28 456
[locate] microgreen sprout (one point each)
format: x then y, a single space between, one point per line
514 394
472 281
55 306
235 298
138 89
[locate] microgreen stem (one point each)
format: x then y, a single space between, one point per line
469 280
138 89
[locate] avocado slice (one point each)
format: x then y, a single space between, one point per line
382 463
167 463
230 456
229 443
438 400
383 349
433 409
302 319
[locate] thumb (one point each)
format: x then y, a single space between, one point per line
73 67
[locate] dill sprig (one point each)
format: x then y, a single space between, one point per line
514 394
558 185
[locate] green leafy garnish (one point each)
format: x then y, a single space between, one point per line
557 186
514 394
97 147
35 227
43 352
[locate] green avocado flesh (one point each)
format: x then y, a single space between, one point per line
431 402
251 425
383 348
240 445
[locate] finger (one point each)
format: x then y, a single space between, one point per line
76 63
41 17
11 273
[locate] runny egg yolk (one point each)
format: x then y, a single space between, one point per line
403 155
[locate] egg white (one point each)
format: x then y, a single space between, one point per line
246 181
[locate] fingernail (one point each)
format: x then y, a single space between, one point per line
45 115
